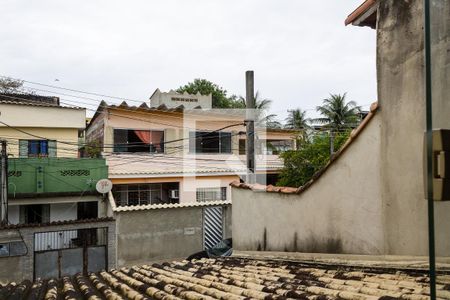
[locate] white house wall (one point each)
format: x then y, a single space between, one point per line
341 212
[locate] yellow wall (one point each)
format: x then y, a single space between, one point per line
69 135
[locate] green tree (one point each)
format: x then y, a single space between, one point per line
297 119
337 114
312 155
206 87
263 106
10 86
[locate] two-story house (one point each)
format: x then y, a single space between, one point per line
47 181
178 149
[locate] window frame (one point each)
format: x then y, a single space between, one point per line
163 146
222 191
193 149
51 147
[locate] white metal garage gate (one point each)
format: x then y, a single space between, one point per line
212 226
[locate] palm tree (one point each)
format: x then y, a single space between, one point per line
337 115
263 105
297 119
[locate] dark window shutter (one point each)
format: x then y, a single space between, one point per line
51 148
23 148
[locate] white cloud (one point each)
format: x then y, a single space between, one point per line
300 50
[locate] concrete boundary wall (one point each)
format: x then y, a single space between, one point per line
341 212
19 268
152 235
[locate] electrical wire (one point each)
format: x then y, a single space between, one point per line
71 90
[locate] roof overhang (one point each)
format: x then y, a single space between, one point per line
364 15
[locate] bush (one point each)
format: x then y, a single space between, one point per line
313 154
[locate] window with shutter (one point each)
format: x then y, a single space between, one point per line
51 149
23 148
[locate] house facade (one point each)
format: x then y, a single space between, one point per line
47 181
162 153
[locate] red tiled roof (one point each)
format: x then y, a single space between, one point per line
292 190
234 279
365 6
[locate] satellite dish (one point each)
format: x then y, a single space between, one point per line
104 186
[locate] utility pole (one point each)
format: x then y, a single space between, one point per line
4 185
331 142
250 126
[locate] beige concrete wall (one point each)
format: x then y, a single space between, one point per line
177 126
375 204
189 185
340 213
46 117
62 135
174 99
146 236
400 61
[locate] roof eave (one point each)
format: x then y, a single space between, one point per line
364 15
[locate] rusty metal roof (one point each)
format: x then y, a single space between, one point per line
234 279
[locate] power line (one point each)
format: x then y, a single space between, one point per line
71 90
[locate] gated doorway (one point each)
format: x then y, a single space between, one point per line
212 226
67 252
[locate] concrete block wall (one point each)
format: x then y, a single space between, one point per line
18 268
153 235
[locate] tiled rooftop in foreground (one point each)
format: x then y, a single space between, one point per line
234 278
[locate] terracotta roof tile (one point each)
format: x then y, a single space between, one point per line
234 279
291 190
359 11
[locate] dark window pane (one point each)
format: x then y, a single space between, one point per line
120 140
33 148
17 248
133 198
225 142
4 249
130 140
157 141
241 147
144 197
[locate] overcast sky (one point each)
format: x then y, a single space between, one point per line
300 50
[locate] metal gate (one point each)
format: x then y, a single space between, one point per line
212 226
67 252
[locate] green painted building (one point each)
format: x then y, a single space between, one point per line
28 176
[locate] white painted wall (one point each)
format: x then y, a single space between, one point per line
63 211
13 214
341 212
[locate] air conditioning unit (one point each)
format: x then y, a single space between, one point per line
174 194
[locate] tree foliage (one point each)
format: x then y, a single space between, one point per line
297 119
263 106
338 114
313 153
10 86
220 99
